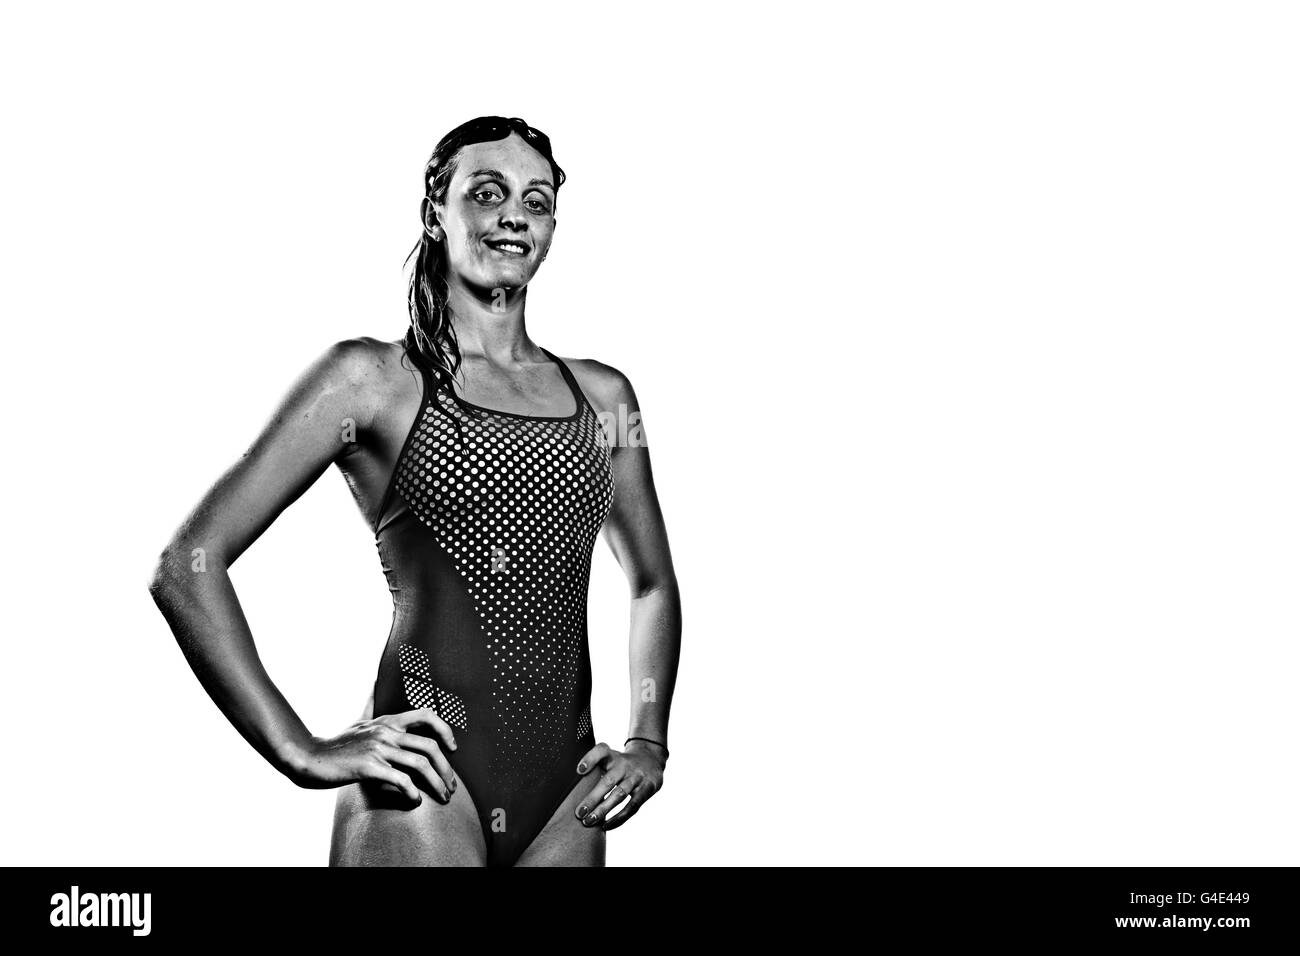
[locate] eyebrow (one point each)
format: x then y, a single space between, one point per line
497 174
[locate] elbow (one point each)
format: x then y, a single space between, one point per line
169 577
646 587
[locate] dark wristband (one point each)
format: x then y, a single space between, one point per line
649 741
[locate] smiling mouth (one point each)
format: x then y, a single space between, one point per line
507 247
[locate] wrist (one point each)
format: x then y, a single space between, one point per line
645 745
292 758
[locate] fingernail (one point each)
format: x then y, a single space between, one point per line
582 768
582 810
591 820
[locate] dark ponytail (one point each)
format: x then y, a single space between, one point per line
431 337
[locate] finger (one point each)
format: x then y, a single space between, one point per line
615 797
594 757
416 763
431 750
398 780
596 816
597 793
428 717
626 812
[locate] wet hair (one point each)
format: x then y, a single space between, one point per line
430 338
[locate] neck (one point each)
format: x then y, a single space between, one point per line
490 323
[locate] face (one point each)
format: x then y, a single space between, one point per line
499 215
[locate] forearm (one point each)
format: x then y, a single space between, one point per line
654 648
205 617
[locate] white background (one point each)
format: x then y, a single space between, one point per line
966 339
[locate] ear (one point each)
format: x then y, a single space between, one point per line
429 219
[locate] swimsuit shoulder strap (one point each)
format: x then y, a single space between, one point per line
579 396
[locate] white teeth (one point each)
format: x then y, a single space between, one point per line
509 247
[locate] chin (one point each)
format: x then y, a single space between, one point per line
509 277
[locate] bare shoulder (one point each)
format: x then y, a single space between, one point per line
606 386
364 358
370 371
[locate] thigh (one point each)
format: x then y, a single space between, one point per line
372 829
564 841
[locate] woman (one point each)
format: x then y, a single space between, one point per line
483 465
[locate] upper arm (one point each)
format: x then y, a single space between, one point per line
635 528
316 422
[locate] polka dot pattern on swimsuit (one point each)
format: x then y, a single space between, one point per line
516 502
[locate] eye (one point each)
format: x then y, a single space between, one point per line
538 201
486 195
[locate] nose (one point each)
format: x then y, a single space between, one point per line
513 216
